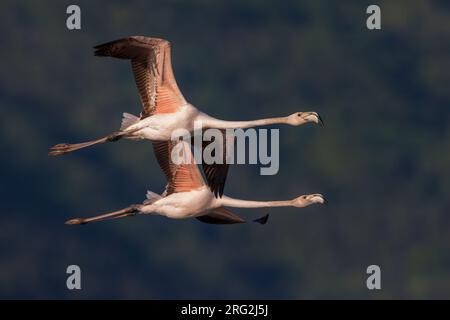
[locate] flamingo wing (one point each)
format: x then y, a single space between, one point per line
152 69
221 216
181 176
216 173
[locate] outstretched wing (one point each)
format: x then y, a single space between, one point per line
221 216
180 177
216 173
152 69
216 176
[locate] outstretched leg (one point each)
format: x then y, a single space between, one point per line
129 211
63 148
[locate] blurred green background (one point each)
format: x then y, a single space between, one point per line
382 160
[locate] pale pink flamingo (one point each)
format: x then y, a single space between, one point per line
187 196
164 107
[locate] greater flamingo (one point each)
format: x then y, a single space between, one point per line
187 196
164 107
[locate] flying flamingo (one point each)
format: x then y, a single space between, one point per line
187 195
164 107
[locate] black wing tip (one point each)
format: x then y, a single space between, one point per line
101 52
135 39
104 49
262 220
217 190
107 44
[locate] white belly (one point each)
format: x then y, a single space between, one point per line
184 204
161 127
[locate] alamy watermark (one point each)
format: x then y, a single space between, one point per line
74 279
373 282
73 21
229 146
373 22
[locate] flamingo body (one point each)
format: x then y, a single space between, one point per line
182 205
188 196
160 127
164 108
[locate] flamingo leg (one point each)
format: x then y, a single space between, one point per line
131 210
63 148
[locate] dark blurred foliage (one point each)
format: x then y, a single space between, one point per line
382 159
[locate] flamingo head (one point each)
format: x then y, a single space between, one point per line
309 199
300 118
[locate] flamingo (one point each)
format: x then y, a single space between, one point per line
164 109
187 196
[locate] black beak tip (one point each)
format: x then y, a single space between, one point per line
321 123
325 201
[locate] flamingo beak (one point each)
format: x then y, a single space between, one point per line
318 198
320 123
313 117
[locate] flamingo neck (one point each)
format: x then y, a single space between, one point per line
210 122
238 203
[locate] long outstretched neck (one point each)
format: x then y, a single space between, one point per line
238 203
210 122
